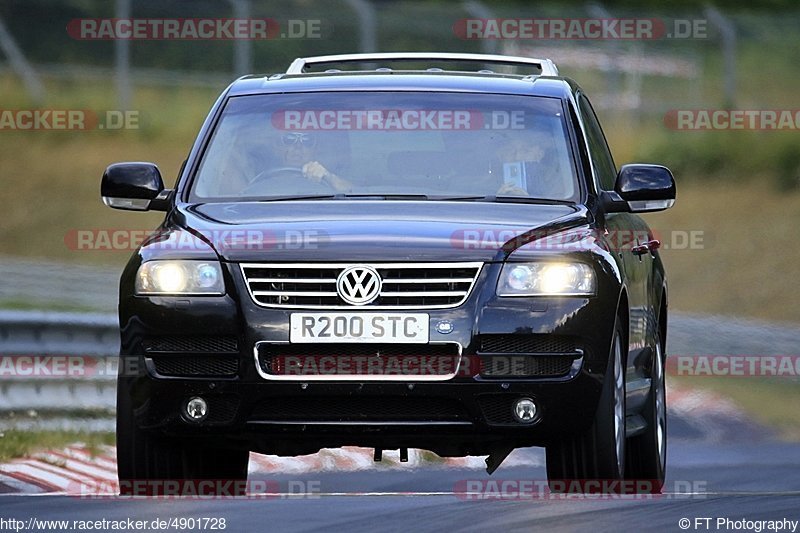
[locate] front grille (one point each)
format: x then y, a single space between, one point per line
417 285
373 360
494 366
222 409
359 409
196 344
527 355
532 344
188 366
498 409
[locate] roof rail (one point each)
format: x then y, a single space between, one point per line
299 65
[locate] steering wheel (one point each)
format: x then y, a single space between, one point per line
274 173
285 181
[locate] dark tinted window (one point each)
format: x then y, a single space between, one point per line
600 154
436 144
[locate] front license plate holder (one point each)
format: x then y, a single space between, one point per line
390 328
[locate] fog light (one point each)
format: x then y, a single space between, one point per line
196 409
525 410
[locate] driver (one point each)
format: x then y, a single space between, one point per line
297 150
535 147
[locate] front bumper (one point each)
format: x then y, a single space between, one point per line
468 414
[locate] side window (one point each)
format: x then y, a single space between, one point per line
601 155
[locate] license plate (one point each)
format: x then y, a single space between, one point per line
359 327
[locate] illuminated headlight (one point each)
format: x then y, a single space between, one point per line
546 279
180 277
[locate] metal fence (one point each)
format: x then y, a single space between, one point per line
57 363
637 74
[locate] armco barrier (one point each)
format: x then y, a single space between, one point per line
36 351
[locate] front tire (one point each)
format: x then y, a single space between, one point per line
593 460
647 453
147 461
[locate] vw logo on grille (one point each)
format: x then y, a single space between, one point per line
358 285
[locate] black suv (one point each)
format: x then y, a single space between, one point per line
440 256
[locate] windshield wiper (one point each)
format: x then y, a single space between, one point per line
465 198
505 199
530 200
343 196
398 196
378 196
301 197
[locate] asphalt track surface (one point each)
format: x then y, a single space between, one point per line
721 466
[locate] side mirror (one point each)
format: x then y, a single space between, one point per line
641 189
134 187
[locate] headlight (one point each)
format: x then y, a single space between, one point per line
546 279
180 277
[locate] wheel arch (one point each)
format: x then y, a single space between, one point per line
662 320
623 314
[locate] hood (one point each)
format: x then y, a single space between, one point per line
372 231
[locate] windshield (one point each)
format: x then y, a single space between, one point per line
426 145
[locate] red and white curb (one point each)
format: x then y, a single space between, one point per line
58 471
76 471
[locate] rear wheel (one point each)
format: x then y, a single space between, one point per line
647 453
594 460
153 464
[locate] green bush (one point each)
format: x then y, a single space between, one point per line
713 156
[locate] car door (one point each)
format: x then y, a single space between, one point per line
626 233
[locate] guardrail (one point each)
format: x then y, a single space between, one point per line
57 362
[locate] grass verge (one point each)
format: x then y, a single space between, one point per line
15 443
50 305
740 262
